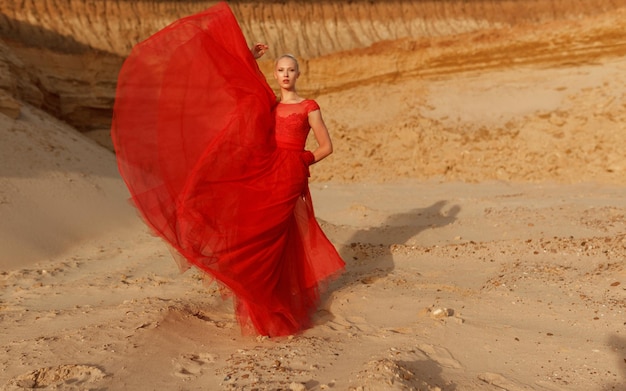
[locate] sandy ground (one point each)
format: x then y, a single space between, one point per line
457 286
496 263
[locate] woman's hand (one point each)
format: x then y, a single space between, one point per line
258 49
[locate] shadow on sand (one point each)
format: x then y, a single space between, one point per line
619 347
368 253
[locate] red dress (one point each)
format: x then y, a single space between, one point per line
214 166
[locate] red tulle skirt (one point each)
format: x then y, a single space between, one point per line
193 130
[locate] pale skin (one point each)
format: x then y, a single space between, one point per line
286 73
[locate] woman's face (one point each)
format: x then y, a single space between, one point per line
286 73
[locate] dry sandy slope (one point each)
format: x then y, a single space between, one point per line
57 188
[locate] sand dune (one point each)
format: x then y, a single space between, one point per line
476 193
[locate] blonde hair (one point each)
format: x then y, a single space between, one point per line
291 57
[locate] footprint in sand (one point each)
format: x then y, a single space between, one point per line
191 365
69 377
351 325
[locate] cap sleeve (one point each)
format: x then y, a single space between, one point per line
311 105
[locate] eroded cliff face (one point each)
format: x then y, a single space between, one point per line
308 28
64 55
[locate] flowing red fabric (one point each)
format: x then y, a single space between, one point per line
216 170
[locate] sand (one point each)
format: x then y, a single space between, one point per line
480 212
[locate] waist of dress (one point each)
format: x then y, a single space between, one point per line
290 145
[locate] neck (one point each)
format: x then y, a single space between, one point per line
288 95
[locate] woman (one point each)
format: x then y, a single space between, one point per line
217 167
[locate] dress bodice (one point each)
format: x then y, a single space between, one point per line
292 123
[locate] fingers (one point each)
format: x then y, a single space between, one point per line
258 49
